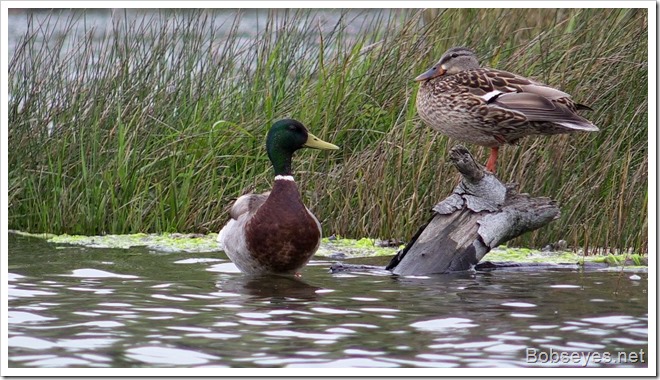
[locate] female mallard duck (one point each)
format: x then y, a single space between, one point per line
491 107
274 232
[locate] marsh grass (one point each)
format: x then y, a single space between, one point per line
158 123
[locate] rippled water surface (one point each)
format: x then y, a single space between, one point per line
71 306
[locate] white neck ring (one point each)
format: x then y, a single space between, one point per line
284 178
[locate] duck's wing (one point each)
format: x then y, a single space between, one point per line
536 107
487 83
535 101
248 203
232 236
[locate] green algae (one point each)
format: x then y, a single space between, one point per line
34 235
623 259
174 242
167 242
352 248
331 247
526 255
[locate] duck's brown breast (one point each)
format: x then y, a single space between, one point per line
283 235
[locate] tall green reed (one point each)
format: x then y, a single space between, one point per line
158 123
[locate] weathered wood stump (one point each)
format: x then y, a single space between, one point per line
479 215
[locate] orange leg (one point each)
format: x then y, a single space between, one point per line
490 165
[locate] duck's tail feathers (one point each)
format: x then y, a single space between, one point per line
579 125
582 107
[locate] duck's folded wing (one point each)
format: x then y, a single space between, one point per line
544 91
232 236
537 107
248 203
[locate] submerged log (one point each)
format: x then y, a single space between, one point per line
479 215
486 266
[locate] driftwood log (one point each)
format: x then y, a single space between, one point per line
479 215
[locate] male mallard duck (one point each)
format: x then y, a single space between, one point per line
274 232
491 107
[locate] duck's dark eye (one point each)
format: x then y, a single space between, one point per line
454 55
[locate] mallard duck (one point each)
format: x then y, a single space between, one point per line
491 107
274 232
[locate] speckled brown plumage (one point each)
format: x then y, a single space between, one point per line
491 107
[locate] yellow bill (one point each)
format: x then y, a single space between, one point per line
315 142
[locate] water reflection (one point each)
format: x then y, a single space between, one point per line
269 286
129 308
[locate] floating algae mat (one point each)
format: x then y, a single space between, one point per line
332 247
526 255
168 242
178 242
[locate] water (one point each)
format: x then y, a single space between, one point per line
73 26
71 306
